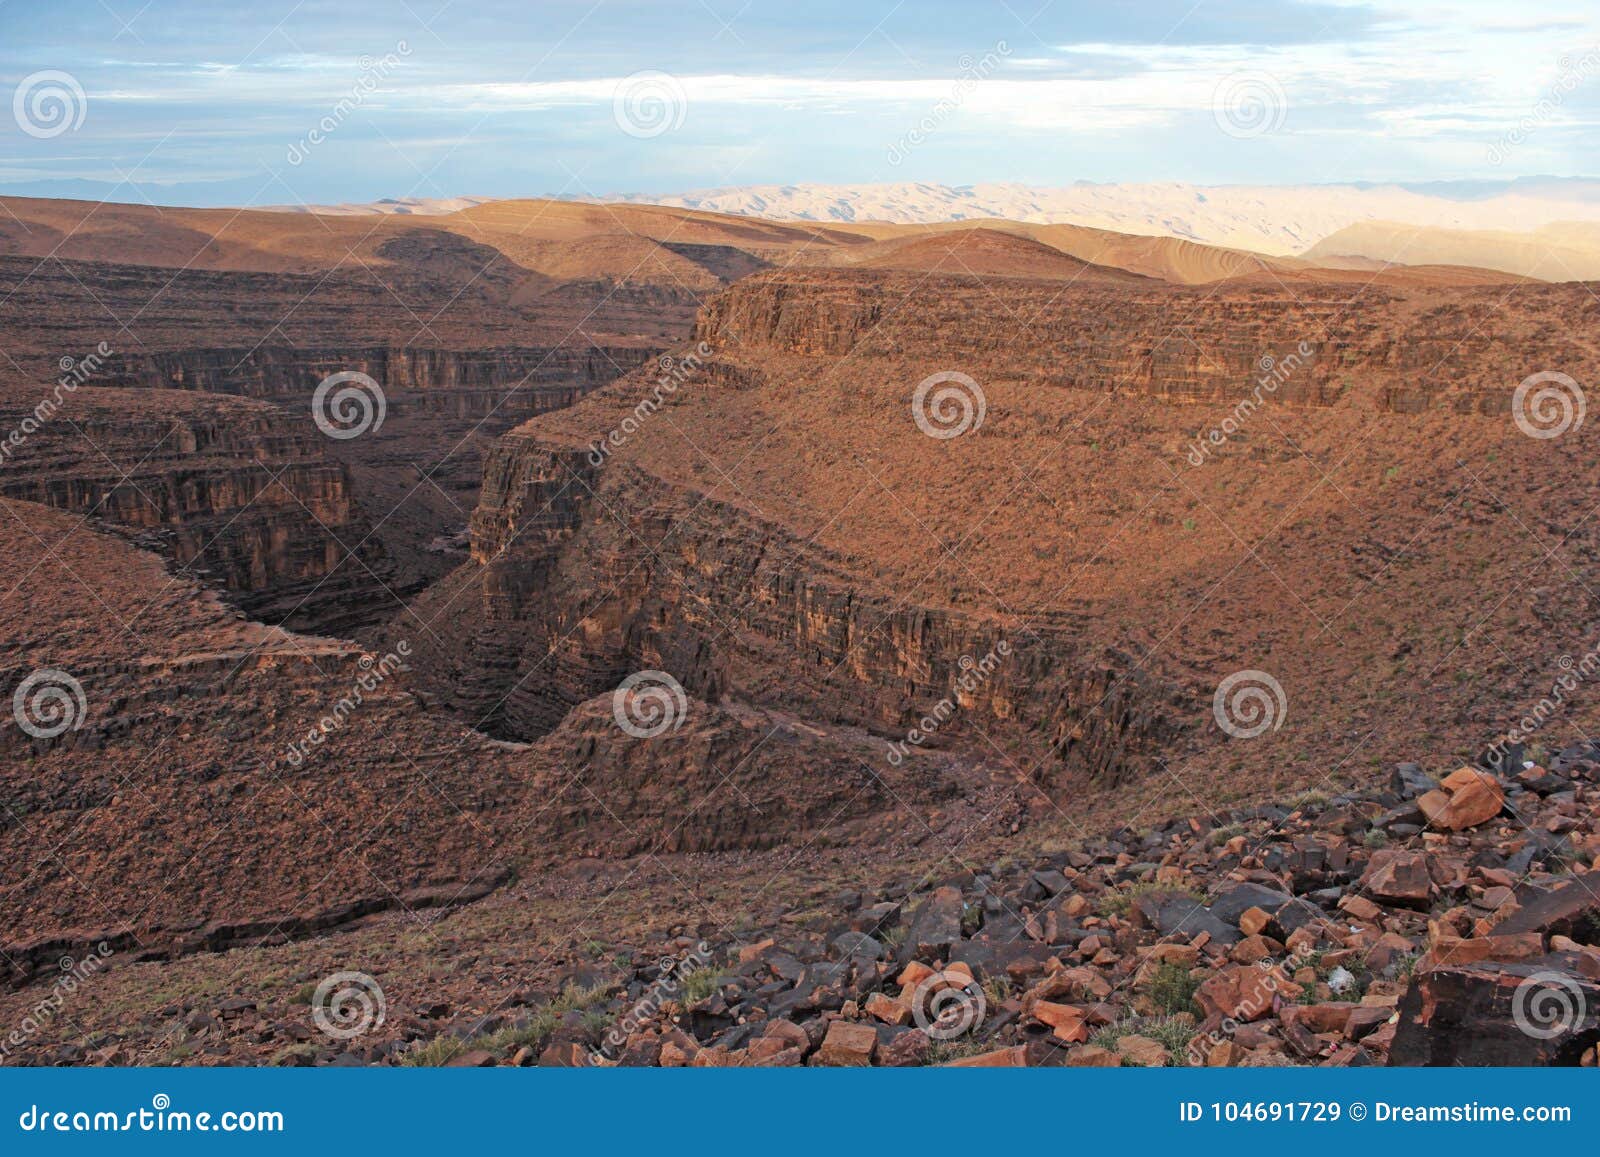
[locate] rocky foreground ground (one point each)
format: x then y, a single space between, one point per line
1437 921
1430 923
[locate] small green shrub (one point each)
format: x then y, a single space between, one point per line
696 986
540 1024
1173 1031
1108 1036
1222 835
439 1051
944 1051
997 990
575 996
1173 989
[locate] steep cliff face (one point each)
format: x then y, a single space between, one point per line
590 573
414 477
235 492
301 529
511 384
380 515
1312 342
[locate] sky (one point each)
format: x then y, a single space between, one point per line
278 102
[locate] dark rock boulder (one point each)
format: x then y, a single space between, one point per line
1178 913
1571 910
1535 1012
1408 781
935 926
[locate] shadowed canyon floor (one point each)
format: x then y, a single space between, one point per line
852 600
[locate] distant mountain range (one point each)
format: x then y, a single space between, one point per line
1276 220
1544 226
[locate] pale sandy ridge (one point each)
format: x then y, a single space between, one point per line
1545 228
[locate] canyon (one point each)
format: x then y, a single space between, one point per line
1099 525
679 571
462 341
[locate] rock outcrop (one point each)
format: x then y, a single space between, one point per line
1312 343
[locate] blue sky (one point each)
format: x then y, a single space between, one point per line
274 101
